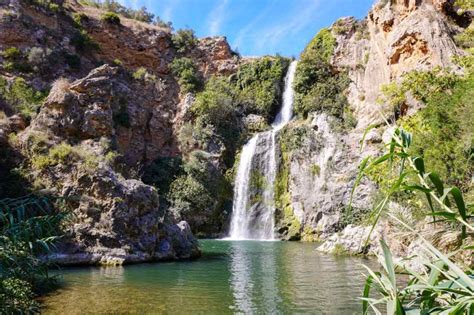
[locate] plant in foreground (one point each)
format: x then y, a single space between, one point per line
29 227
442 287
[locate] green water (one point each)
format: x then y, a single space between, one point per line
231 277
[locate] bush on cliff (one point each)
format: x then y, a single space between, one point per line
186 72
20 97
318 86
259 85
111 18
184 40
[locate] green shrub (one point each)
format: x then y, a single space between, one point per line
64 154
318 87
47 4
16 61
260 85
215 103
162 172
83 42
80 18
73 61
111 18
184 40
21 98
185 70
114 6
442 129
29 227
142 74
12 53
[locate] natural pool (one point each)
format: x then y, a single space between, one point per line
231 277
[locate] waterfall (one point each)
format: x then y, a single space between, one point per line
253 211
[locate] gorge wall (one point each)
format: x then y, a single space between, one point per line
140 128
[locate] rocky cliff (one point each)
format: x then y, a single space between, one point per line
92 108
322 155
113 107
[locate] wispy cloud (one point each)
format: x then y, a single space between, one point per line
167 13
284 29
244 32
216 18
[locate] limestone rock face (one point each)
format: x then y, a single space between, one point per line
114 220
396 37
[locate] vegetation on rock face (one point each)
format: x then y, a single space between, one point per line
184 40
443 129
216 129
259 85
111 18
318 87
115 7
20 97
186 72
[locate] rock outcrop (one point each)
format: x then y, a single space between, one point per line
100 126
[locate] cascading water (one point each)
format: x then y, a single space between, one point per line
253 211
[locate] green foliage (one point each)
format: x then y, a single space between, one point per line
317 86
315 170
29 227
444 288
200 192
73 61
321 46
466 38
79 19
259 85
465 4
162 172
83 42
114 6
111 18
143 75
186 72
20 97
16 61
184 40
293 138
49 5
63 154
12 53
442 129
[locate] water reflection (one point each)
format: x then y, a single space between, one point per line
232 277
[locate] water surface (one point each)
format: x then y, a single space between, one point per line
231 277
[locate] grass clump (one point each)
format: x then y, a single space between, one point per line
142 74
110 18
64 154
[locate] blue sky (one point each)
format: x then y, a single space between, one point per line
256 27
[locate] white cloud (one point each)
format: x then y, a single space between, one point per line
216 17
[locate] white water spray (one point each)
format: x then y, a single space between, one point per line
253 216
